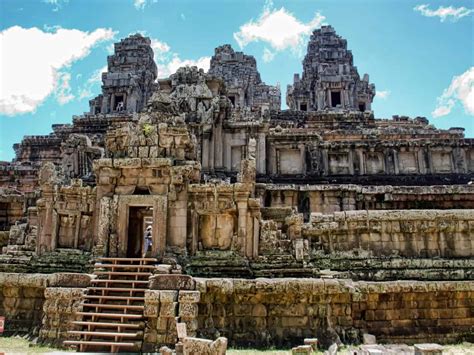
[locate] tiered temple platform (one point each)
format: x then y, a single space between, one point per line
265 226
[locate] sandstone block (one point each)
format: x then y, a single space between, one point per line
64 279
313 342
189 296
301 350
204 346
188 310
168 296
369 339
168 309
428 349
172 282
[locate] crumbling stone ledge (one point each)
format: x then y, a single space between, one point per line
282 312
23 296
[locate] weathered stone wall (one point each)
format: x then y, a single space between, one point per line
22 300
414 233
336 198
165 308
59 309
264 312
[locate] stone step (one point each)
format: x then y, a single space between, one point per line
123 273
123 266
113 306
108 325
114 298
117 289
114 346
111 315
133 282
104 334
146 260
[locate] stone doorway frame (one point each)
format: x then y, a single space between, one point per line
160 214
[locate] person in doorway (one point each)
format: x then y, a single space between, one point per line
147 240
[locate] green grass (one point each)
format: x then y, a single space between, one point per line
15 345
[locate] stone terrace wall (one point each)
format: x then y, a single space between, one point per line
59 312
414 233
263 312
22 300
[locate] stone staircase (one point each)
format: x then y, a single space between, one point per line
112 311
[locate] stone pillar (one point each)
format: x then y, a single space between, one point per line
360 153
242 205
103 229
166 322
350 157
205 153
177 220
272 160
261 154
218 148
421 161
396 167
325 162
160 215
227 153
188 310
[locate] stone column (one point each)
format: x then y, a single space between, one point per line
205 153
166 322
242 205
103 229
188 310
350 158
261 154
325 162
396 167
361 162
160 216
218 146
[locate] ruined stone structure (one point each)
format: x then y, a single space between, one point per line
266 225
244 86
330 80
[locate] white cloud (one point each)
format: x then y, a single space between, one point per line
168 61
57 4
35 69
268 55
279 28
383 94
165 69
461 89
96 77
139 4
444 13
63 90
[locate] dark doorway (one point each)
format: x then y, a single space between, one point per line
304 206
304 107
362 107
232 99
138 220
119 103
335 98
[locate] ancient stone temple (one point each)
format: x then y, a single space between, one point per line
330 80
194 202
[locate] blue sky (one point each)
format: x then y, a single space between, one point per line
418 53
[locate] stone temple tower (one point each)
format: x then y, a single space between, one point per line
330 80
244 86
128 82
